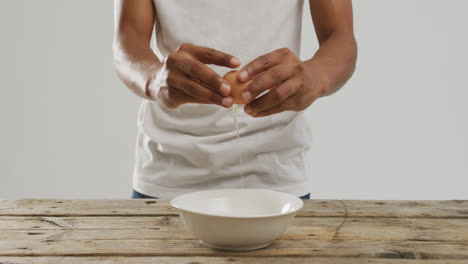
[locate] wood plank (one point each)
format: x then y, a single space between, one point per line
414 209
316 208
135 207
302 228
387 229
86 207
279 248
217 260
90 222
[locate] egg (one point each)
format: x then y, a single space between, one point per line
237 87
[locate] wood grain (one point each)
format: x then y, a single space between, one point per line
150 231
302 228
217 260
191 247
316 208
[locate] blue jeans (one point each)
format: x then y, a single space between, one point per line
137 195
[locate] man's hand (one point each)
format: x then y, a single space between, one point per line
294 85
182 78
282 74
189 80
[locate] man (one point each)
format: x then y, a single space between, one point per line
186 136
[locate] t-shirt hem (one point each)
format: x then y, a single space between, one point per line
154 190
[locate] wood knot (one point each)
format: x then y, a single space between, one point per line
34 233
164 220
397 254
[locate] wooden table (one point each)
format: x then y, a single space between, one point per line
150 231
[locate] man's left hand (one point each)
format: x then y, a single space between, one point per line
292 85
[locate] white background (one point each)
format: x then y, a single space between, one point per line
398 130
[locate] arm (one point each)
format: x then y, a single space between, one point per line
134 60
182 78
294 85
337 55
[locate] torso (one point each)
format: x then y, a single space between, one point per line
189 148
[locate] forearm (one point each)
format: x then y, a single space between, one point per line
335 61
136 63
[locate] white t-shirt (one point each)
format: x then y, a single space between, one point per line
194 147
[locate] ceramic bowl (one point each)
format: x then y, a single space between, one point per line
237 219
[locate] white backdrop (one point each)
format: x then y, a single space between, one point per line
398 130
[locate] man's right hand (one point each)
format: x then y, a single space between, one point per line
187 79
184 77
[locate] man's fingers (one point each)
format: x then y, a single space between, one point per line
212 56
290 104
267 80
270 111
261 64
197 90
275 97
199 72
189 74
203 93
173 98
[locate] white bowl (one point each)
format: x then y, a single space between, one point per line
237 219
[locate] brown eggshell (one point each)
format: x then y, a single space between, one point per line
237 87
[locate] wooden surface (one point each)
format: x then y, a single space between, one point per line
150 231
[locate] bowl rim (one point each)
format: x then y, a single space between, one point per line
301 204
